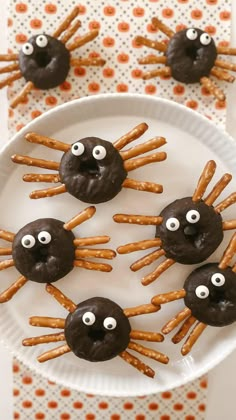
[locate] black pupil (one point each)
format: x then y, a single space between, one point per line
172 224
43 239
97 152
194 216
76 147
27 242
87 320
217 280
109 326
202 293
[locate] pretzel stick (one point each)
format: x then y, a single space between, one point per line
95 253
222 75
52 354
138 246
158 46
61 298
226 50
132 164
152 59
49 338
40 163
149 145
22 94
7 236
217 190
48 192
83 40
142 186
66 22
87 62
158 24
133 361
9 57
190 321
70 32
157 272
230 224
164 72
89 265
174 322
205 178
47 141
212 88
195 334
141 310
228 254
5 251
225 65
146 336
152 354
93 240
9 68
168 297
42 321
80 218
147 260
234 268
231 199
132 135
41 178
10 79
137 219
6 264
13 289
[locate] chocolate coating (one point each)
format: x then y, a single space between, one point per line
191 243
44 262
46 67
89 179
189 59
94 342
219 308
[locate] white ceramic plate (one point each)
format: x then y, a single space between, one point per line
192 140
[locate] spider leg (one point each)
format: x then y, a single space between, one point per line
231 199
22 94
10 79
152 59
137 219
228 254
43 321
158 24
93 240
211 87
226 50
193 337
133 361
5 251
158 46
222 75
146 336
47 141
71 31
66 22
132 164
87 62
132 135
7 236
164 72
217 189
149 145
225 65
9 57
41 178
139 246
142 186
205 178
229 225
80 218
49 338
147 260
174 322
52 354
6 264
168 297
89 265
40 163
190 321
61 298
157 272
9 68
141 310
145 351
83 40
107 254
48 192
13 289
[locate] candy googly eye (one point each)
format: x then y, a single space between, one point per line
44 237
193 216
202 292
109 323
191 34
28 241
28 49
77 149
41 41
205 39
172 224
88 318
99 152
218 279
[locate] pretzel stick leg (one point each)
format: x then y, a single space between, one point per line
107 254
139 246
48 192
230 224
41 178
40 163
157 272
13 289
132 135
49 338
231 199
70 32
66 22
168 297
174 322
10 79
228 254
212 88
225 65
5 251
89 265
9 68
147 260
183 331
146 336
6 264
137 219
145 351
52 354
205 178
7 236
90 36
21 96
132 164
158 46
80 218
61 298
226 50
96 62
136 363
217 190
141 310
222 75
47 141
193 337
43 321
9 57
93 240
142 186
164 72
157 23
152 59
149 145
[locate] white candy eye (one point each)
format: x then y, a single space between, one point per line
172 224
28 49
193 216
88 318
44 237
191 34
205 39
41 41
218 279
77 149
202 292
109 323
99 152
28 241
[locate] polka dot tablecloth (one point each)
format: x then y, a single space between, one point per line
119 22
